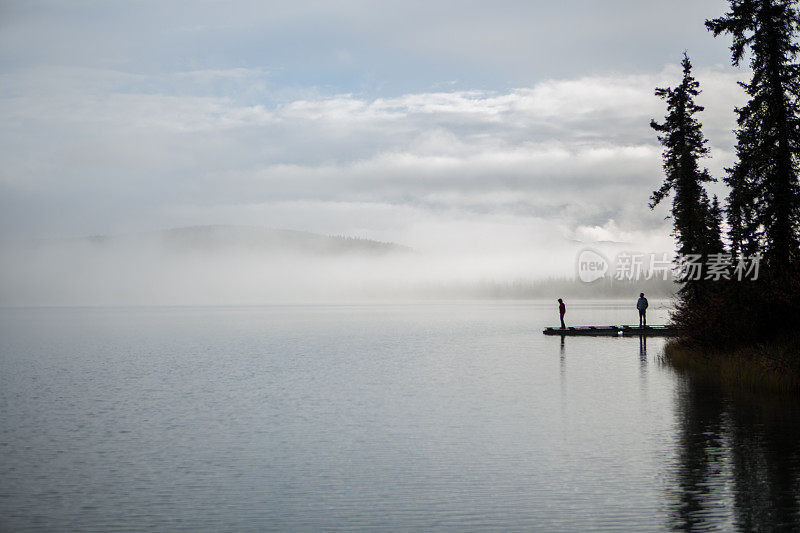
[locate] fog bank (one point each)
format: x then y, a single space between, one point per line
227 265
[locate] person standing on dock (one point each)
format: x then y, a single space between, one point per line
641 305
562 309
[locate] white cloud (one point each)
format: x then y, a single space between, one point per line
561 157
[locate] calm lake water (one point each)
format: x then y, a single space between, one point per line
424 416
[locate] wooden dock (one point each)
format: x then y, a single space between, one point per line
613 331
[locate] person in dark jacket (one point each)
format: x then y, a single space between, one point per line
562 309
641 305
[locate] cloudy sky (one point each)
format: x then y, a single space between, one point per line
433 124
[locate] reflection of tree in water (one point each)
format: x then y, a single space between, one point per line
737 464
766 460
698 475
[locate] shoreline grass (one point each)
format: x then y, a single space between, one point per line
764 367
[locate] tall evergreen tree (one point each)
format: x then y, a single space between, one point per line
764 203
714 244
684 144
742 225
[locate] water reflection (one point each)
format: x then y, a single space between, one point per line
563 372
643 364
737 464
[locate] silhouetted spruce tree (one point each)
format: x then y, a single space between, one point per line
764 203
743 229
715 216
694 220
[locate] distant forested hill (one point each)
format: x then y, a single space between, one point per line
219 239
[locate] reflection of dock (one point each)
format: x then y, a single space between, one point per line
612 331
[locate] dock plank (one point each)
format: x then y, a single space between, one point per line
624 330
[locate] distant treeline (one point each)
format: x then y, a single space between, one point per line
548 288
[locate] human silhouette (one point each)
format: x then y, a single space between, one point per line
562 309
641 305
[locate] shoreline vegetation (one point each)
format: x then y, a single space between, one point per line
735 330
765 367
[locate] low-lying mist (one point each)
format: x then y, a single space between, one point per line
251 266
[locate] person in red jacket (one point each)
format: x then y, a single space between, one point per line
562 309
